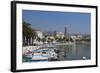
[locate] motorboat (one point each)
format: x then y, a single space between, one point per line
40 55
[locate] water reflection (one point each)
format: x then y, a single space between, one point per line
78 51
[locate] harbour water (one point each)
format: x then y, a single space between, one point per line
77 51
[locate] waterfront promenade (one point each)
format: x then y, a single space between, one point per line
37 47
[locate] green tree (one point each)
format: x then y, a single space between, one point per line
39 39
28 33
43 40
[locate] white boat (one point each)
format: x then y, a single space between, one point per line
44 54
40 55
28 55
52 54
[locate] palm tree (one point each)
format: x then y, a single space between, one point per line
28 33
25 33
39 39
34 36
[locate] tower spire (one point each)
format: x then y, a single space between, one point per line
65 31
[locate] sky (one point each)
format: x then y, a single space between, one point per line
56 21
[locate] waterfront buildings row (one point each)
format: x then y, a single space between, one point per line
42 37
